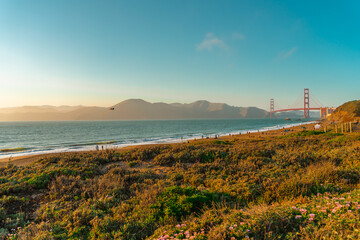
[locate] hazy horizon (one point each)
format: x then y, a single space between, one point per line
241 53
106 106
132 109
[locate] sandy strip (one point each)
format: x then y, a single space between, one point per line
28 159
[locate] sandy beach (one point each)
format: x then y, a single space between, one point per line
28 159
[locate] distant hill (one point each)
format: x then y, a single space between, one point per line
349 111
132 109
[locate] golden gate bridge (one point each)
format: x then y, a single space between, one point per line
305 106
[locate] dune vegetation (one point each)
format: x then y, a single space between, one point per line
299 186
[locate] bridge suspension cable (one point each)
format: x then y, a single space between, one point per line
315 101
305 103
298 102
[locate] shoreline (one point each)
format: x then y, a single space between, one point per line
27 159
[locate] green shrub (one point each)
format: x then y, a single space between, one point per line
133 163
219 142
339 139
306 133
40 180
178 202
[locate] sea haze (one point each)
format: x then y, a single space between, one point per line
23 138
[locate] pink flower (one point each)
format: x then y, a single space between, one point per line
298 216
303 210
349 211
312 215
231 228
311 219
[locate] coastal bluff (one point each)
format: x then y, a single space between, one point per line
349 111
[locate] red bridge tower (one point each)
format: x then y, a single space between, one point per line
306 103
272 107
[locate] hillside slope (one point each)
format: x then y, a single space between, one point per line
349 111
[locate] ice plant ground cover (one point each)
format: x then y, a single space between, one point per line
326 216
300 186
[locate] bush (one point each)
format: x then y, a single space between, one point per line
41 180
178 202
219 142
133 163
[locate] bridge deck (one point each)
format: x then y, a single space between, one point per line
296 109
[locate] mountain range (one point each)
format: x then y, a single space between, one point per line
132 109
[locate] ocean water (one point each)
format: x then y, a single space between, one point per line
26 138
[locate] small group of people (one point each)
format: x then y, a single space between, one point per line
97 147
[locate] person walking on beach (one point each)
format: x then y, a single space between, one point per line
97 148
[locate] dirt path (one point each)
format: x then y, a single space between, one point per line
22 160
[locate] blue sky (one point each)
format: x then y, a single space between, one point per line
238 52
